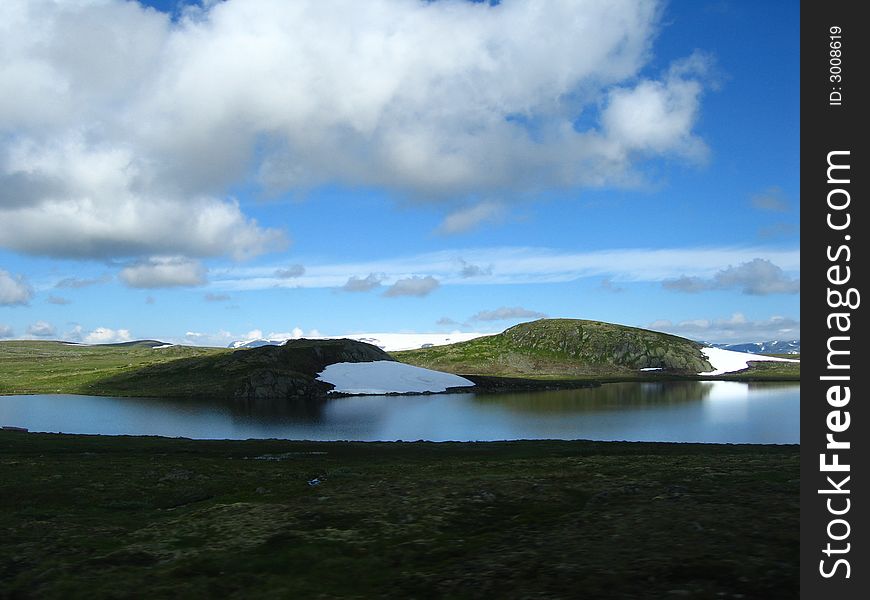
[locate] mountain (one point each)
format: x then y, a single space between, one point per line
774 347
254 343
564 348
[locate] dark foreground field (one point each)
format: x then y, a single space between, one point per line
116 517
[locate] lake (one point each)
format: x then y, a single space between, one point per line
695 411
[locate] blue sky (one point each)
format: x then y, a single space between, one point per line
203 173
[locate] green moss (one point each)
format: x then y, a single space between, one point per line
564 348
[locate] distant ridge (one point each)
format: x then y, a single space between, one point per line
139 343
774 347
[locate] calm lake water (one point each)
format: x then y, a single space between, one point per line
714 411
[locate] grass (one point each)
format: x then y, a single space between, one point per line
109 517
566 348
31 367
137 369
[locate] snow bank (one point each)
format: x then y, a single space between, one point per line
163 346
386 376
728 361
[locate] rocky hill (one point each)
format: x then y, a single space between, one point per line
273 372
564 348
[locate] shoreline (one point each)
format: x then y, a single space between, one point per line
484 384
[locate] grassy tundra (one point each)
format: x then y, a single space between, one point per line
119 517
568 350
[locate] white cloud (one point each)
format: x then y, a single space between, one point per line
99 335
290 272
658 116
466 219
6 331
59 300
362 284
14 289
161 272
412 286
104 335
735 329
41 329
507 313
295 334
758 277
470 270
122 129
79 282
515 265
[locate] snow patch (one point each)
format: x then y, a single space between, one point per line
386 376
651 369
163 346
728 361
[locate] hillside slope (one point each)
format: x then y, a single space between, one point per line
152 369
564 348
286 371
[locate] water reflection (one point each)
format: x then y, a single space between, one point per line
689 411
611 396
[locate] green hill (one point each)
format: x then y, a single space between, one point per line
140 369
564 348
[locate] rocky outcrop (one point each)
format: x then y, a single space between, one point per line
593 342
290 371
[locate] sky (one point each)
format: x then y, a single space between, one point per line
203 172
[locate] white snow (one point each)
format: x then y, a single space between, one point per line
163 346
728 361
386 376
651 369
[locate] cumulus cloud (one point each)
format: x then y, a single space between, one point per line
772 200
362 284
506 313
6 331
60 300
79 282
122 128
290 272
105 335
466 219
41 329
412 286
470 270
295 334
162 272
735 329
14 289
758 277
100 335
657 116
